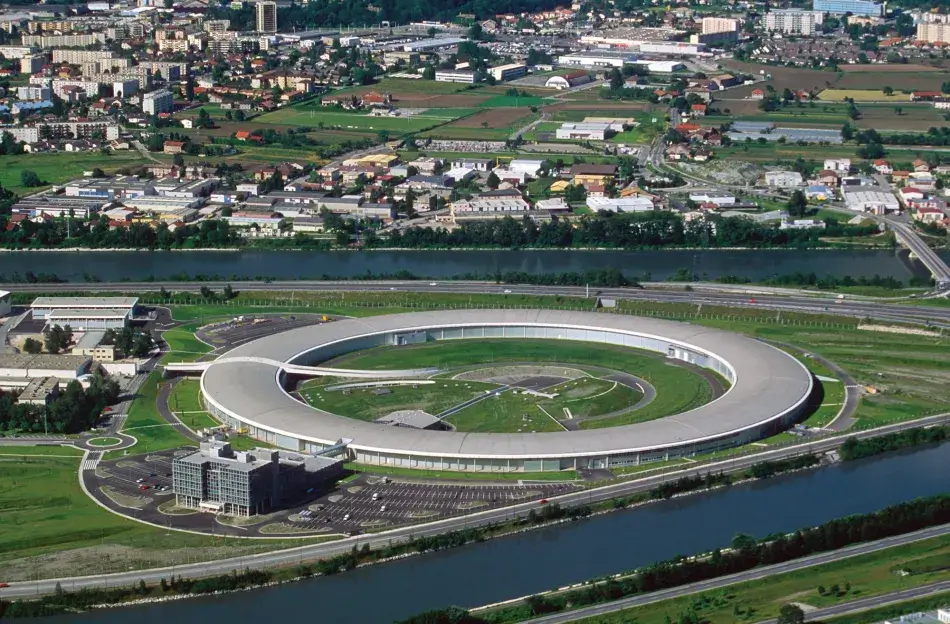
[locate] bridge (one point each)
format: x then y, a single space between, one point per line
938 268
185 368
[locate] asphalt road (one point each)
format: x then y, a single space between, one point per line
376 540
702 294
763 572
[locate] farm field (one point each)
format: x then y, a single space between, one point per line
838 94
495 124
364 404
898 79
312 116
782 78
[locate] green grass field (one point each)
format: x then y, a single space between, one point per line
61 167
363 404
589 397
857 577
504 413
312 116
49 528
45 450
183 345
678 389
145 423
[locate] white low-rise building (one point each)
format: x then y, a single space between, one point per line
710 197
620 204
783 179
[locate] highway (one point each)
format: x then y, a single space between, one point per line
766 571
377 540
711 294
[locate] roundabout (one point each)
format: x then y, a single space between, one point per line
104 442
247 389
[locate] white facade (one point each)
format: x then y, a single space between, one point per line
706 197
528 167
792 21
838 165
266 13
580 130
783 179
508 72
620 204
466 77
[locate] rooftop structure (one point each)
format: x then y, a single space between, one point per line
620 204
40 391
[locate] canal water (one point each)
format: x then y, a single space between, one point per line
549 558
755 265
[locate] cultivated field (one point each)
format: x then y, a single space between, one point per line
312 116
782 78
895 77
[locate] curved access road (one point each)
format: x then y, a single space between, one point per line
378 540
760 573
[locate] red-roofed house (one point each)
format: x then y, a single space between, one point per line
697 110
883 167
174 147
921 166
758 94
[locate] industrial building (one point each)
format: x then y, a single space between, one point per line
217 479
873 199
26 366
597 59
569 81
597 131
620 204
85 313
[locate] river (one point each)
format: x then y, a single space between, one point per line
755 265
545 559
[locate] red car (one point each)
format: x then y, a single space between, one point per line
543 501
143 487
2 585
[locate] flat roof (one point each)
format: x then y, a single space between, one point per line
768 384
98 313
44 360
84 302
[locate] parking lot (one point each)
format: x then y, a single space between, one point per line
142 487
227 334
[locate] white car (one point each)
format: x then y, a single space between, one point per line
507 292
433 283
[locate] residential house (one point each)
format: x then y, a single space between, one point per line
883 167
173 147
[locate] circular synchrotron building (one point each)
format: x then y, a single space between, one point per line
769 390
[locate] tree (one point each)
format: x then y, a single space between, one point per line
475 32
29 179
492 182
32 346
616 79
790 614
428 73
899 110
888 90
797 204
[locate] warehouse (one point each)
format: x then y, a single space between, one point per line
503 73
595 131
85 312
25 366
597 59
620 204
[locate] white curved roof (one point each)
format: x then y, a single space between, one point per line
768 384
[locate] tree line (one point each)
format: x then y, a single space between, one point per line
97 234
745 554
854 448
615 230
